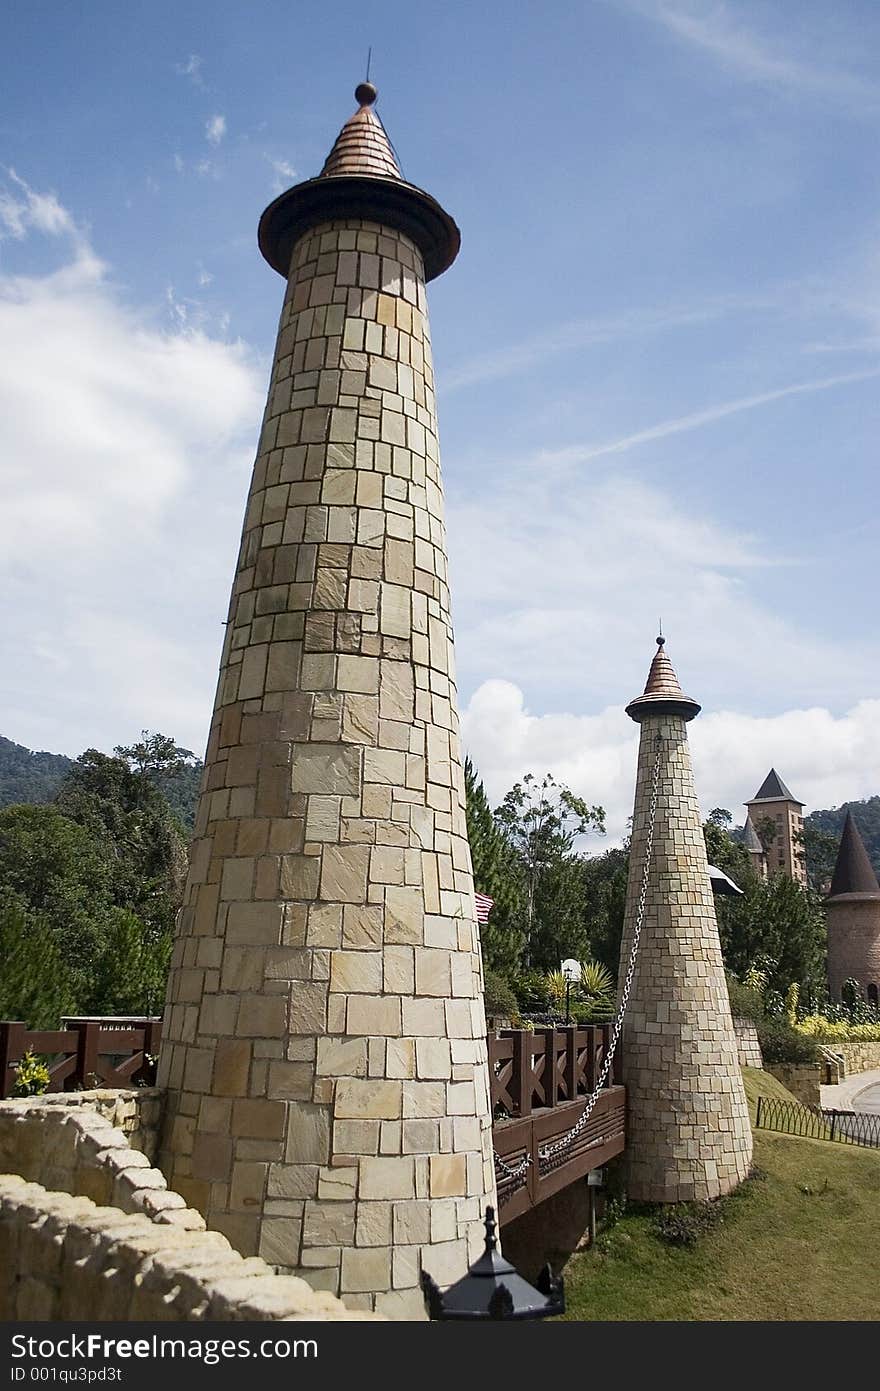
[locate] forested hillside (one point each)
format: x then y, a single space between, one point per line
867 817
34 779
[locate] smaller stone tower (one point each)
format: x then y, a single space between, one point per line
852 911
688 1131
756 851
774 802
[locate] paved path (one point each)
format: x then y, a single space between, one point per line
859 1092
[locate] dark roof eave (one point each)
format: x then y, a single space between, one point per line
368 198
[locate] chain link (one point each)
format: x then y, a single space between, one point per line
549 1152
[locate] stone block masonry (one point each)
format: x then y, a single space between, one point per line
688 1131
324 1040
63 1258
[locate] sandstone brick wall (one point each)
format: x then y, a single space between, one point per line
78 1148
747 1046
324 1040
853 943
64 1258
688 1131
803 1080
857 1057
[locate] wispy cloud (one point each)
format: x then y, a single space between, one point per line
192 69
712 27
581 454
585 333
215 129
284 173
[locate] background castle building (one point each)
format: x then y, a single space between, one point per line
852 911
688 1131
783 852
324 1054
752 842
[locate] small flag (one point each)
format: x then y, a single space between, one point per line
484 907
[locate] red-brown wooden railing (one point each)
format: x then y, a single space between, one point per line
87 1053
546 1068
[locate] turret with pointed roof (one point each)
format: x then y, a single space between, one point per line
688 1133
324 1054
852 911
752 843
776 808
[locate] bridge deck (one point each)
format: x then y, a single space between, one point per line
540 1083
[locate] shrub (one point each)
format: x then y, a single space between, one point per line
745 1000
498 996
530 989
31 1076
683 1224
781 1043
825 1030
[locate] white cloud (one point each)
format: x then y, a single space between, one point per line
192 69
215 129
126 453
579 454
559 578
284 173
825 759
715 29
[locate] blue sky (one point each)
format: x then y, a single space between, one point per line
657 357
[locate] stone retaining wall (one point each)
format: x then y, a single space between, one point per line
83 1143
858 1057
803 1080
64 1258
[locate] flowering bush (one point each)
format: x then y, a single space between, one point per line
841 1030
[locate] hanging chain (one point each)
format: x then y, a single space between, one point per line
550 1151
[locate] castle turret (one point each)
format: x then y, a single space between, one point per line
752 843
852 911
324 1052
777 817
688 1131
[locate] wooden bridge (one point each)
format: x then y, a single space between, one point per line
540 1083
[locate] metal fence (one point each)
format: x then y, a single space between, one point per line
792 1118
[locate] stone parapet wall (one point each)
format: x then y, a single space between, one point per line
137 1111
857 1057
85 1148
64 1258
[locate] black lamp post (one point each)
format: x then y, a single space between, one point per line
493 1290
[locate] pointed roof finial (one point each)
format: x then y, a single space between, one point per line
360 179
662 695
365 94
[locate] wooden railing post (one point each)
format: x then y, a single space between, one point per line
550 1088
592 1042
12 1046
521 1080
570 1034
152 1039
86 1054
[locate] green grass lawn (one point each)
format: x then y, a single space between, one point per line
800 1242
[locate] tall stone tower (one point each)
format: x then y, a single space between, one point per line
774 803
324 1051
688 1131
852 911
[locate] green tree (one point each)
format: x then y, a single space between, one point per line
605 879
36 983
820 853
496 874
780 924
722 850
126 814
58 875
541 821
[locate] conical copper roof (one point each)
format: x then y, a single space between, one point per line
361 180
362 146
853 872
662 695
